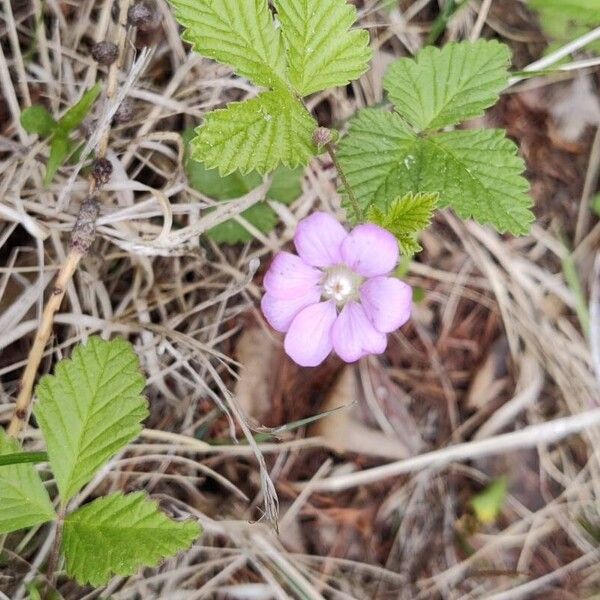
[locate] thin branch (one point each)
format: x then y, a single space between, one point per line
544 433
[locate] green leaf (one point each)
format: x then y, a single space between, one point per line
488 503
443 87
36 119
322 50
595 203
60 148
476 172
256 135
77 113
406 217
286 186
261 215
565 20
18 458
118 534
240 34
90 409
24 501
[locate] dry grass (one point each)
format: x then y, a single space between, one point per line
496 346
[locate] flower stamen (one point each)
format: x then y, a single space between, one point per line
341 284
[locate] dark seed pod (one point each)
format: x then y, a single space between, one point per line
101 171
105 53
124 113
143 17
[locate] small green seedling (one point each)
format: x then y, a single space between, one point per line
488 503
37 119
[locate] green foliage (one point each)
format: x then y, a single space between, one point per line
310 48
74 117
596 204
476 172
488 503
23 498
565 20
256 135
118 534
443 87
406 217
238 34
286 186
89 410
36 119
322 50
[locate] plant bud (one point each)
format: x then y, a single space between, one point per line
322 136
124 113
101 171
143 17
105 53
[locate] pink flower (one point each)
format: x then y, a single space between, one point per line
336 295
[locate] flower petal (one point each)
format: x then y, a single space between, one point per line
387 302
354 336
280 312
318 240
289 276
370 250
308 340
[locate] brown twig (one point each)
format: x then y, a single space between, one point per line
82 237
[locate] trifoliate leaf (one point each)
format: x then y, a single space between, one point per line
90 409
79 111
443 87
322 50
565 20
24 500
256 135
476 172
405 217
36 119
240 34
119 534
488 503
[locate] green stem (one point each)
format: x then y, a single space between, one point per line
441 21
357 211
18 458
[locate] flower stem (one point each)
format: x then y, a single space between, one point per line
358 214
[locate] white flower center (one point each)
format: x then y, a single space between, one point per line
341 284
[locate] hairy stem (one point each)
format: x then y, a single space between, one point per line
52 571
358 214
